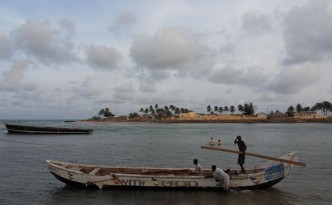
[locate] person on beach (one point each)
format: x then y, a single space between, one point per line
198 169
221 176
212 141
242 148
219 142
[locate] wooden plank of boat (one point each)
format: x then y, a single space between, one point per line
115 177
29 129
256 155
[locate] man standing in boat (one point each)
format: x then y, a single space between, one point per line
242 148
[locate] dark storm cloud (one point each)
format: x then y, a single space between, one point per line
308 31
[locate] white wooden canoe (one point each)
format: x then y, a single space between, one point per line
103 177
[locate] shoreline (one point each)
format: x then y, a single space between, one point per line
201 121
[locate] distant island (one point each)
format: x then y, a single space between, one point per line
221 114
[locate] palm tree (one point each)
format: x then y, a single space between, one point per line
306 109
166 108
177 110
232 109
226 108
317 107
167 112
156 106
146 111
215 109
208 108
172 107
141 110
298 108
151 110
240 108
101 112
108 113
249 109
220 110
290 111
327 106
160 113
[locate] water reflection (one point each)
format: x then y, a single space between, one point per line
68 195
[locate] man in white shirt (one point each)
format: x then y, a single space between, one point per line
221 177
198 168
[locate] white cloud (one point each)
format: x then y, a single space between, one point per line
45 43
6 49
255 23
68 27
172 49
13 79
103 57
124 22
308 32
251 76
293 79
123 93
86 90
148 87
29 87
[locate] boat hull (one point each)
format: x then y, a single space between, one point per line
111 177
28 129
129 187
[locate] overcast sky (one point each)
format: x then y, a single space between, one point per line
69 59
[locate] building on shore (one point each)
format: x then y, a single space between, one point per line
213 116
309 115
278 116
259 117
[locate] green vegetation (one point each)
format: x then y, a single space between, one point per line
165 112
103 114
320 107
245 109
160 112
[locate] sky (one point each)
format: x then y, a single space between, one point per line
68 59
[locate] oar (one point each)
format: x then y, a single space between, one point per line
256 155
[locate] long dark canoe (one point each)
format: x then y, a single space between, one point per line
29 129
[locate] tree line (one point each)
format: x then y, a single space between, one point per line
158 112
245 109
321 107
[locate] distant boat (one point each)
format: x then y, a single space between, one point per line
116 177
29 129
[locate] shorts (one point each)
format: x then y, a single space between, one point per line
241 159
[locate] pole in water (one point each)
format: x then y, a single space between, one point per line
256 155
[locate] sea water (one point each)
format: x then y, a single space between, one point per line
24 177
